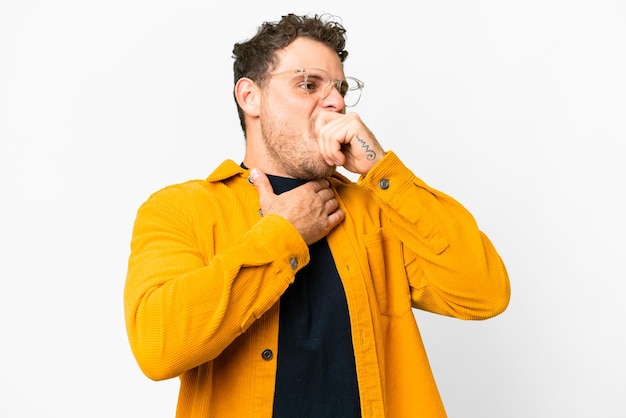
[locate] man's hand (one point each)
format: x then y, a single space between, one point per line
311 208
344 140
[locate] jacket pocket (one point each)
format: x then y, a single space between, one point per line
389 280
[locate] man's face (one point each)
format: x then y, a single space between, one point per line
287 112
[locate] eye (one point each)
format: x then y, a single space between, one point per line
343 88
308 85
311 83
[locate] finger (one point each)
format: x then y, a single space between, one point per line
331 205
262 183
336 218
323 118
320 184
327 195
332 137
328 130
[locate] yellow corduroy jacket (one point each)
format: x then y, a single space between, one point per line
206 271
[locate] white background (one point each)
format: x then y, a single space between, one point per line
517 109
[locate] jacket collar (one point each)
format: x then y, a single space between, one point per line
226 170
229 169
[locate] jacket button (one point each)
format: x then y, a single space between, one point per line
267 354
383 184
293 262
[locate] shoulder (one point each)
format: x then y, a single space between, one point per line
351 193
228 173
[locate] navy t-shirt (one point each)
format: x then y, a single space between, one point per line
316 372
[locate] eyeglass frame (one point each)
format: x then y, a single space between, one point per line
333 83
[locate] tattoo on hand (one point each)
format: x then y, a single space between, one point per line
370 154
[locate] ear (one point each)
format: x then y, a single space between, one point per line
248 96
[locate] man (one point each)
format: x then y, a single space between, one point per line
277 287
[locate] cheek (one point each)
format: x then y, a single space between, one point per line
291 114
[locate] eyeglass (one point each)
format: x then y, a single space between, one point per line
317 82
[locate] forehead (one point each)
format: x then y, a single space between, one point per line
307 53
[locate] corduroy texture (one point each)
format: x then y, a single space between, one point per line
206 271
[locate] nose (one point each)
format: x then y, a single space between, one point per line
334 100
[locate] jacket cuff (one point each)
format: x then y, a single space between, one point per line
282 244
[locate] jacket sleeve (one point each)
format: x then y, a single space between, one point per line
452 268
183 306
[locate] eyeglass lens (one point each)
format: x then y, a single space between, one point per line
320 81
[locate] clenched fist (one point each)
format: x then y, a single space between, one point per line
344 140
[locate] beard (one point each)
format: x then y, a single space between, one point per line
294 153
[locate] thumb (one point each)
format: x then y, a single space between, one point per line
262 183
